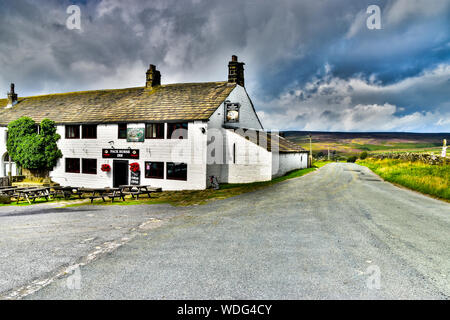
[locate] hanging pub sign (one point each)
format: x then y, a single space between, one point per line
135 134
231 112
120 153
135 178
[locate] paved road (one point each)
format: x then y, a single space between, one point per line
322 236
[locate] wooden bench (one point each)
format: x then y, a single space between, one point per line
116 193
136 191
65 192
101 193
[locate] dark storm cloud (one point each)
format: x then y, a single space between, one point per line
303 58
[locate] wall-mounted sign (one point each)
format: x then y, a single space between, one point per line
135 178
135 134
231 112
120 153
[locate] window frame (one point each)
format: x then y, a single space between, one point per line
77 131
160 130
168 164
119 129
83 132
147 176
172 126
84 171
67 162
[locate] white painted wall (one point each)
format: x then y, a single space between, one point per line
253 163
3 151
191 151
247 115
283 163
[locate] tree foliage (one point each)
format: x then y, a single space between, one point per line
31 149
352 159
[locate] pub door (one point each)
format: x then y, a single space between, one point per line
120 173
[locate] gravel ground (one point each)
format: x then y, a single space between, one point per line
321 236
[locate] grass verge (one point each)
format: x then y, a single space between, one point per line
429 179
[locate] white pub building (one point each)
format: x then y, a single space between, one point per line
179 135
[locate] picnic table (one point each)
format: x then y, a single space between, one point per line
65 192
97 193
136 190
7 187
32 193
11 190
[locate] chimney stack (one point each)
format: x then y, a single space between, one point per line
236 71
12 97
153 77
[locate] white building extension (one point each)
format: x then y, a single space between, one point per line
179 134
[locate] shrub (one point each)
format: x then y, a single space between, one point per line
5 199
352 159
363 155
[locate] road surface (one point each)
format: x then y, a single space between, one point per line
337 233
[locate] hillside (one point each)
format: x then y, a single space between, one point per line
352 143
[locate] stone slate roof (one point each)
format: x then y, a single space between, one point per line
265 139
172 102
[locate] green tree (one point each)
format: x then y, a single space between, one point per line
363 155
30 149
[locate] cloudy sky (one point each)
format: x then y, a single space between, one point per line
310 64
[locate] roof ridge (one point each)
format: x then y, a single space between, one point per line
120 89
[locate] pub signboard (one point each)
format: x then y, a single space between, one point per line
120 153
135 178
135 134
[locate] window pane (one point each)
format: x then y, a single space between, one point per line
90 166
177 171
72 132
154 170
123 131
177 130
72 165
154 131
89 131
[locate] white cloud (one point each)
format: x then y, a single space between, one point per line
402 10
336 104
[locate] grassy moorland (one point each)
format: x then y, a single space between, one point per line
433 180
353 143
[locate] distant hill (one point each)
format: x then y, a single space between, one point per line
350 143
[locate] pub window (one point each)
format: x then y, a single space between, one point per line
89 131
73 132
122 131
154 170
73 165
154 131
179 134
90 166
176 171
